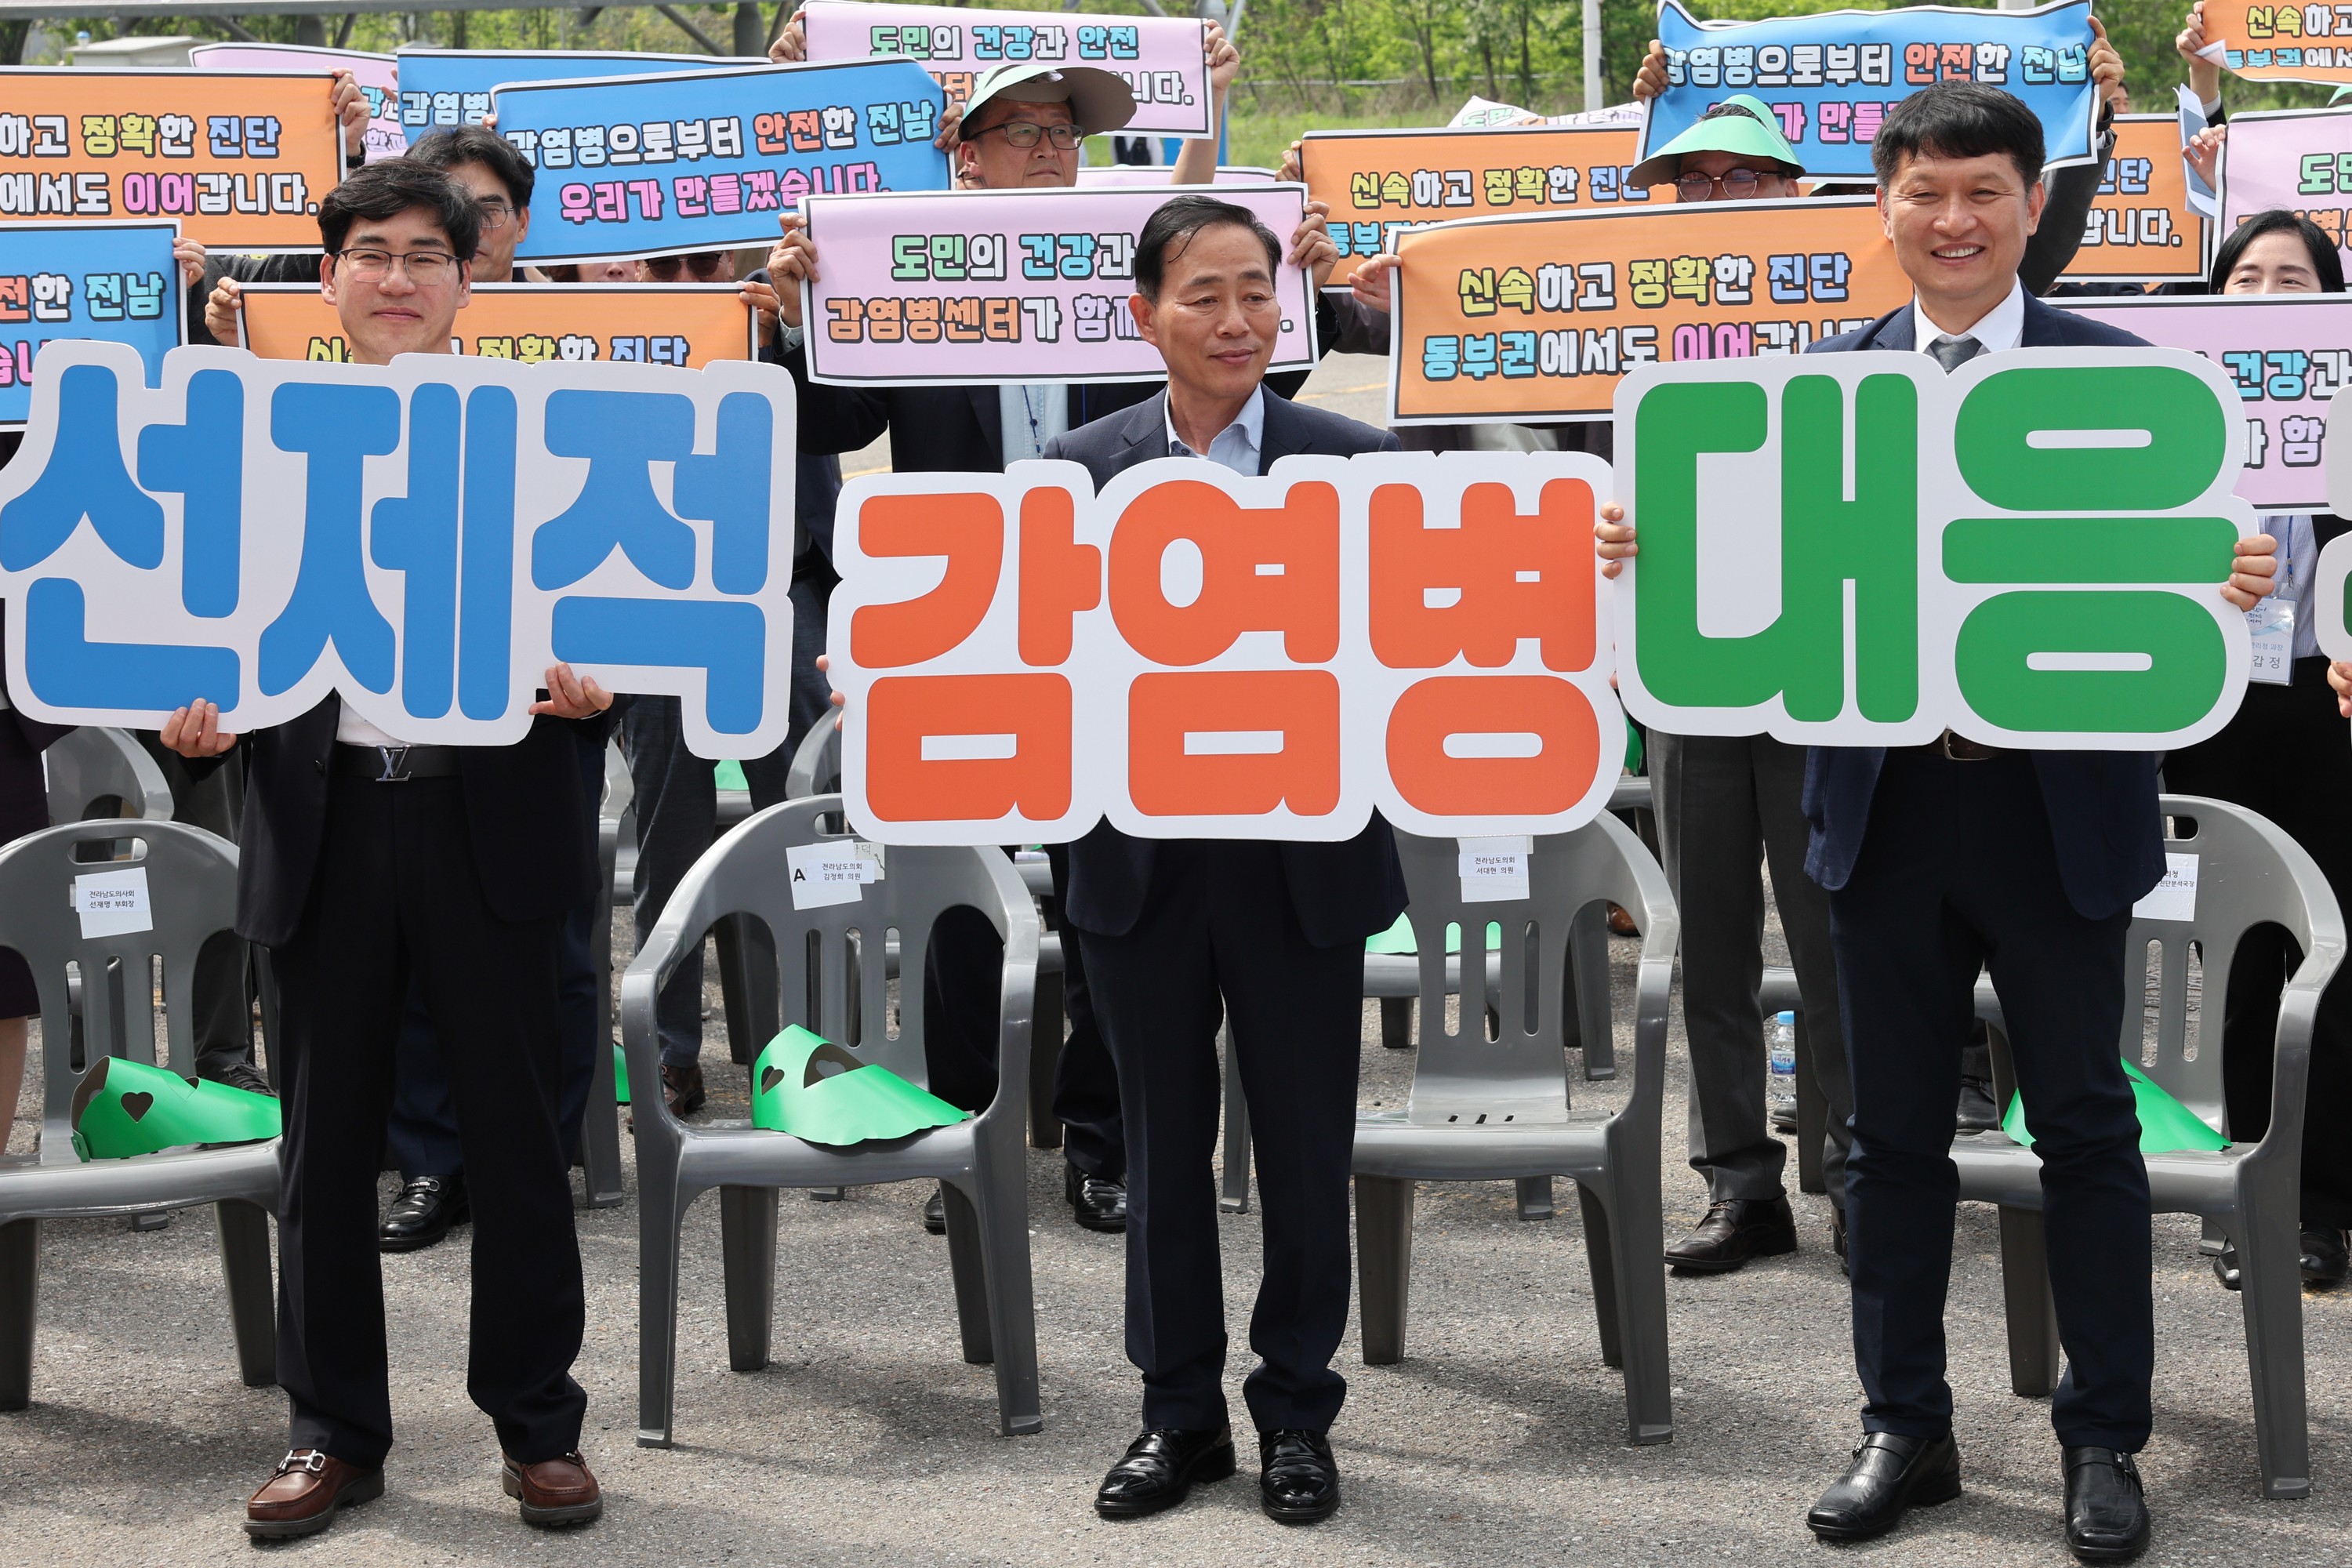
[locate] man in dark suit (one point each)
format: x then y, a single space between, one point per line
365 861
1020 129
1277 929
1947 859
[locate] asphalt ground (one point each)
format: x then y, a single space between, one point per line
1499 1438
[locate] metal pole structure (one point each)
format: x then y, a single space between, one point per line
1592 85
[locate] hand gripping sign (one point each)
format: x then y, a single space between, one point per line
424 539
1195 653
1857 550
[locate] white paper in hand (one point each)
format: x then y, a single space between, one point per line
114 903
832 872
1493 870
2175 898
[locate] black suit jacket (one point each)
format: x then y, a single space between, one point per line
2102 805
1341 893
527 822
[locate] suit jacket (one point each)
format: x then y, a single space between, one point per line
2102 805
527 822
1341 893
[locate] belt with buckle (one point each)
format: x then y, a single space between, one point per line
1960 749
394 764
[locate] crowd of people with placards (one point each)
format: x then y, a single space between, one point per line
427 910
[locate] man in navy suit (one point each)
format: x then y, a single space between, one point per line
1943 860
1170 926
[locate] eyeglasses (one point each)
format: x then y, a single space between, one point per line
703 264
1025 134
426 268
495 214
1738 185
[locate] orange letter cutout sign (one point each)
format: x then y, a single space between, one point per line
1479 776
1228 773
968 530
1474 591
1272 570
966 747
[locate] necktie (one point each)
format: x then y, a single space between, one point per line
1954 353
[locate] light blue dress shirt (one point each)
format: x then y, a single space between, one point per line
1237 446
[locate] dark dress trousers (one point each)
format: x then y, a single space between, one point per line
2026 864
1177 934
462 883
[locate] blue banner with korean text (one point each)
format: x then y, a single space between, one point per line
706 160
440 89
423 539
115 281
1833 77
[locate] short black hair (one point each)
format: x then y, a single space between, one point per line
2326 259
387 189
1175 223
472 144
1959 119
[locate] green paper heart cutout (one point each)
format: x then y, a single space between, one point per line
815 1090
124 1108
2165 1126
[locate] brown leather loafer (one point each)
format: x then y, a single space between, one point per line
305 1492
553 1492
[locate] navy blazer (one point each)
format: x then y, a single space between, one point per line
1341 893
2102 805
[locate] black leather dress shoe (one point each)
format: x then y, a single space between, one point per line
1095 1203
1889 1474
1976 1111
1159 1468
2324 1263
243 1075
1734 1231
2107 1517
1299 1480
423 1213
935 1212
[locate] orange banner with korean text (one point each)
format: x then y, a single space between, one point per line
1192 653
242 159
684 324
2141 228
1380 183
2281 40
1534 319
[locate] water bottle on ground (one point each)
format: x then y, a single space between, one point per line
1780 1064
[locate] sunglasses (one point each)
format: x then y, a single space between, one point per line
703 264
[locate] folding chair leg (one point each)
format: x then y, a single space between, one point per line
747 1242
1813 1118
1384 1264
1001 1234
600 1126
252 1304
1596 1253
2033 1352
2269 1263
1396 1023
1588 964
747 980
1535 1199
969 1267
1235 1197
20 1290
660 1216
1638 1267
1045 1058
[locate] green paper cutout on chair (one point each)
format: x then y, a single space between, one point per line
125 1108
2165 1126
1398 937
818 1091
620 1077
730 776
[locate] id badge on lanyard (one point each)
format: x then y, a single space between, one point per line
2270 625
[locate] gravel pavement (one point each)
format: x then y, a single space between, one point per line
1499 1439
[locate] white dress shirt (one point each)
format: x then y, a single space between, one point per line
1033 412
350 730
1237 446
1997 332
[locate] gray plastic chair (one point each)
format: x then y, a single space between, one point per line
832 970
99 771
2248 874
191 886
600 1125
816 763
1500 1110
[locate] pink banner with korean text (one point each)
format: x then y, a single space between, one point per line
952 287
2300 159
2288 354
377 74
